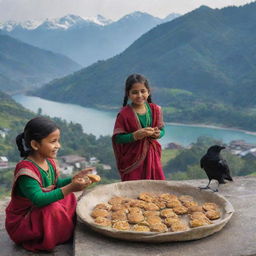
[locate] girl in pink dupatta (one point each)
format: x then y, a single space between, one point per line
41 212
136 130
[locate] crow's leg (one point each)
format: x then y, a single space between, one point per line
207 186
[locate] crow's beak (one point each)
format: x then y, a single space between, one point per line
222 147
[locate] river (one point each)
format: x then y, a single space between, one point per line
100 122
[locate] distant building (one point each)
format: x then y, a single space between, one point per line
70 163
106 167
66 169
3 132
241 148
93 160
251 152
3 161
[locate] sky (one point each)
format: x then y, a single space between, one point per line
21 10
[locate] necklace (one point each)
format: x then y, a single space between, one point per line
48 173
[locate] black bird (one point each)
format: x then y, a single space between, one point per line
215 166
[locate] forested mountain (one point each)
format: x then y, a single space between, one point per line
23 66
10 111
200 64
85 41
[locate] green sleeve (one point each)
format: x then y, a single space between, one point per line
63 182
30 188
124 138
162 132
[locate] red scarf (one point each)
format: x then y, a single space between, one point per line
140 159
39 228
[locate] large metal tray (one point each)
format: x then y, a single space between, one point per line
132 189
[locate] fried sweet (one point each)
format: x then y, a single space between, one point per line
199 222
197 208
118 207
212 215
116 200
179 226
135 218
94 177
102 221
168 213
151 213
151 207
135 210
140 228
159 227
185 198
147 197
173 203
154 213
104 206
137 203
180 209
189 204
121 225
160 204
119 215
153 220
144 223
169 221
99 213
197 215
167 197
210 206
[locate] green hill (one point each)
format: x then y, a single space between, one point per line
23 66
11 112
13 118
201 67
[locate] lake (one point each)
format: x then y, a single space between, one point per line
99 122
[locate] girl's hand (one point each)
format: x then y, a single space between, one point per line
79 184
83 173
143 132
156 133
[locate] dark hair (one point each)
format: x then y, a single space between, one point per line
130 81
36 129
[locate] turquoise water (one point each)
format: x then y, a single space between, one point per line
99 122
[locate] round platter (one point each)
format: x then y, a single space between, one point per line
132 189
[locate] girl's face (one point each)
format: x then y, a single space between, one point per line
49 146
138 94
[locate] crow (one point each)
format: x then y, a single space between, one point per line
215 166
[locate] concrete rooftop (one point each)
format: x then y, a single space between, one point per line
237 238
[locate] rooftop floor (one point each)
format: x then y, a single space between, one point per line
237 238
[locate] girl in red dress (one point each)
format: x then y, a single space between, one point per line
138 126
41 212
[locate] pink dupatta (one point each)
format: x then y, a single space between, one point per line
140 159
39 228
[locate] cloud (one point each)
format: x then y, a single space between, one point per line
42 9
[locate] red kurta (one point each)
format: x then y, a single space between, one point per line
39 228
140 159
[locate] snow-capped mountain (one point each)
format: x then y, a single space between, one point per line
63 23
86 40
100 20
11 25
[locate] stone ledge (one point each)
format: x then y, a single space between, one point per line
237 238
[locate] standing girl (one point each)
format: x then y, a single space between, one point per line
138 126
41 212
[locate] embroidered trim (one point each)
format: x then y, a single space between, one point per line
28 172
